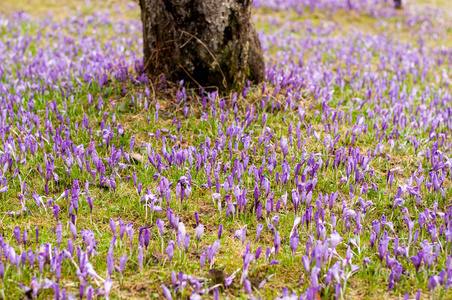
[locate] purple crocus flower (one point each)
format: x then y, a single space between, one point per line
383 246
89 293
306 264
2 270
202 260
122 228
220 231
25 237
140 258
277 242
170 250
17 234
73 230
186 242
122 264
338 291
196 217
107 287
259 229
211 251
167 292
90 203
160 224
294 240
417 260
112 226
247 287
335 239
110 264
433 282
199 231
284 146
146 237
129 230
56 211
35 287
59 232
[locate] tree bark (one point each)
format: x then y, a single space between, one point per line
211 43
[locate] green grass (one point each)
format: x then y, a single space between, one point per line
369 283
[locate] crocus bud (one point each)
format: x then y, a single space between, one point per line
196 217
17 234
73 230
110 264
160 226
112 226
186 242
147 237
202 260
294 242
56 210
247 286
259 211
122 228
338 291
306 264
89 293
277 241
59 232
220 231
258 252
129 229
199 231
167 293
90 203
140 258
122 263
259 229
70 246
24 237
107 287
170 250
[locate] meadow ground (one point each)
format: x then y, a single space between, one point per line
330 180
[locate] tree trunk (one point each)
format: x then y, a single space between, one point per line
211 43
